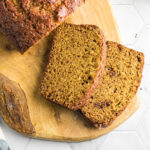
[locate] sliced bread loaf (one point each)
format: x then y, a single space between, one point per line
76 63
119 84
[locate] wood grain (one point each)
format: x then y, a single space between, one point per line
49 120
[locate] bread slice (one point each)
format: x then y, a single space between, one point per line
25 22
76 63
119 84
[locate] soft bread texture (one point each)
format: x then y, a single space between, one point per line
76 63
117 87
25 22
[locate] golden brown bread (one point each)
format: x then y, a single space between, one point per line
119 84
76 63
25 22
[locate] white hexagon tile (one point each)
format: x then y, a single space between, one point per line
121 2
143 129
123 141
143 8
46 145
133 18
95 144
129 22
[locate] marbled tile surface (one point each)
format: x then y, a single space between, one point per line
133 18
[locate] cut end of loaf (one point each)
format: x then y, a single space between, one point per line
117 87
76 62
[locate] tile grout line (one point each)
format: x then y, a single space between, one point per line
125 131
122 4
140 15
141 140
28 144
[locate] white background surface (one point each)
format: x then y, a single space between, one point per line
133 18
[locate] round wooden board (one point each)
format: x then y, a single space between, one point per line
52 121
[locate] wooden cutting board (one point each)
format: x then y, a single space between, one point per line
48 120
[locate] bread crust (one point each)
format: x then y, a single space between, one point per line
13 106
26 22
100 125
99 73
